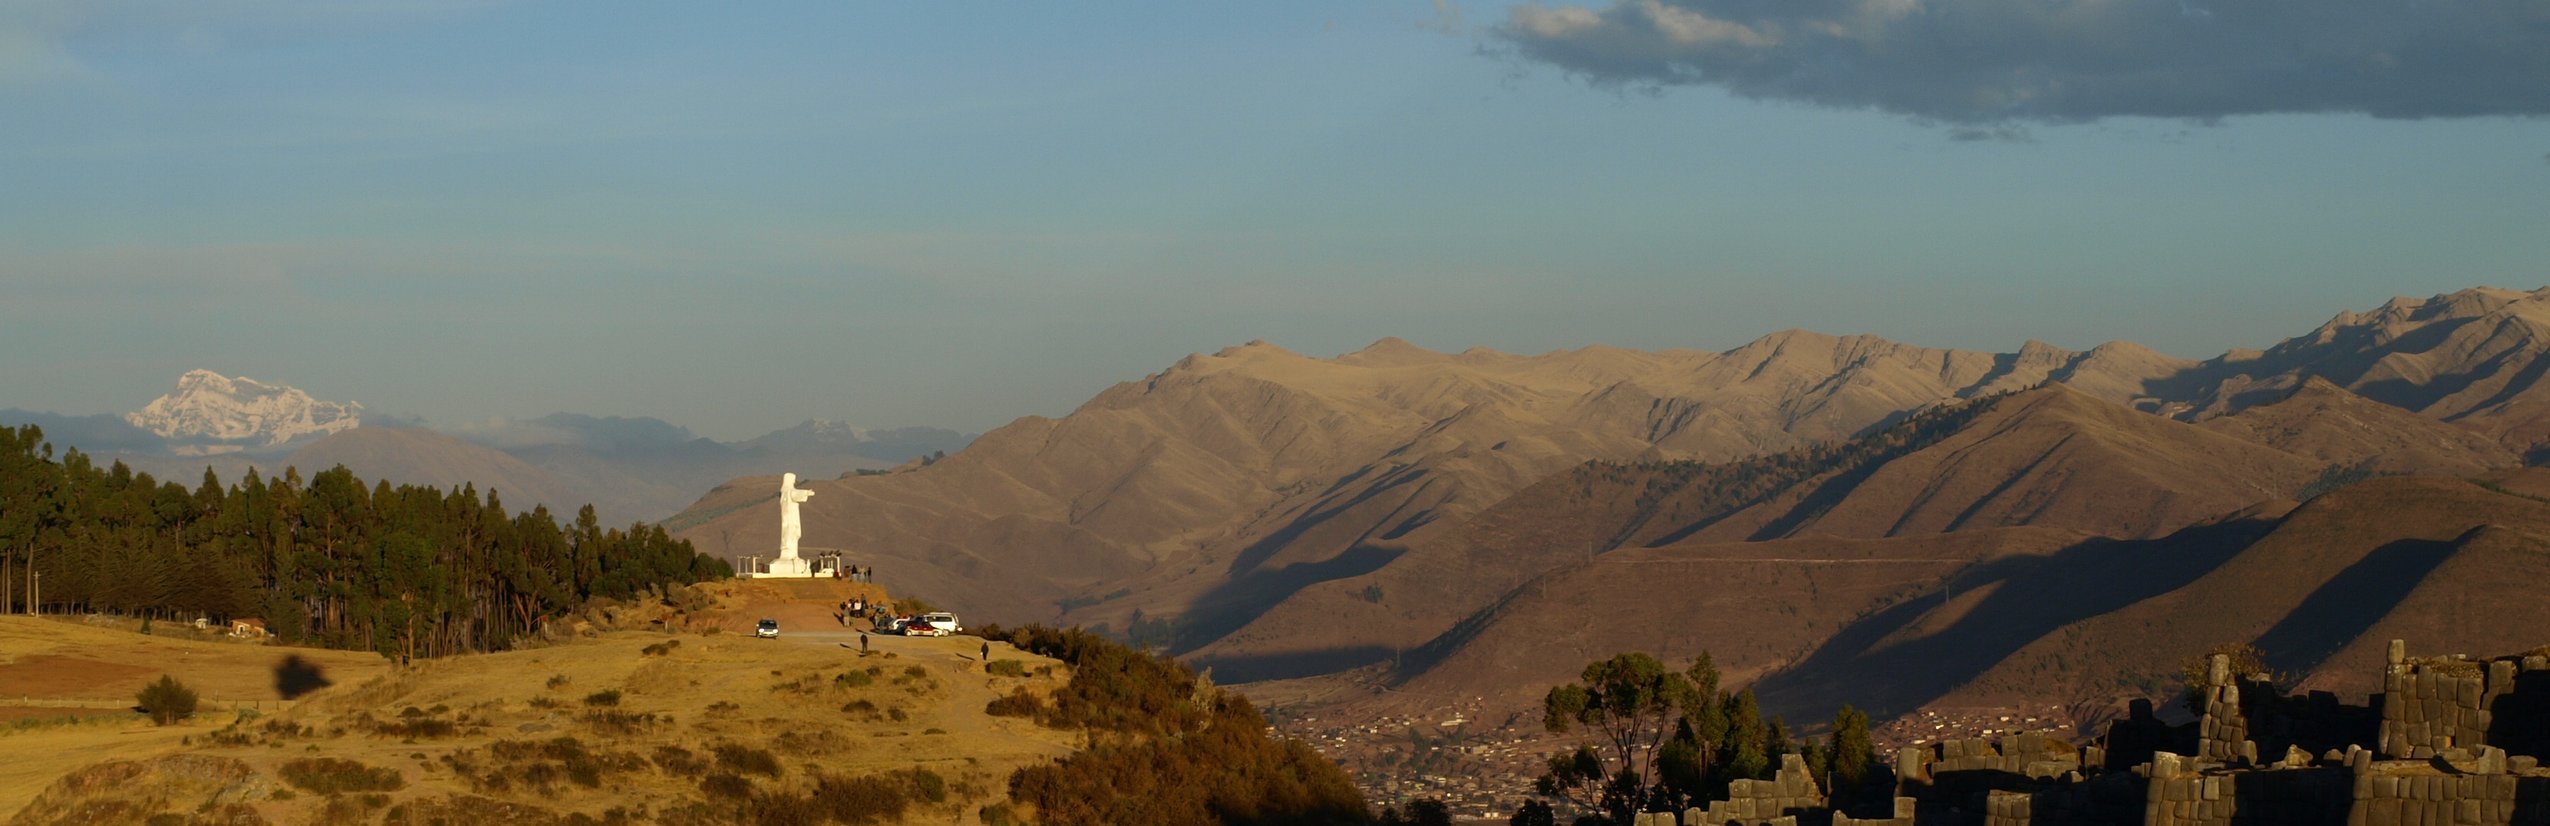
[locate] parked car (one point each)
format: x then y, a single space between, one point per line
937 624
768 629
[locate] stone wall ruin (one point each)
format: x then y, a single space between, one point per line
2451 741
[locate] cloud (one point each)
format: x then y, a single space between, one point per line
2054 61
40 39
32 54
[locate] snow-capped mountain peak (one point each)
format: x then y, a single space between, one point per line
216 413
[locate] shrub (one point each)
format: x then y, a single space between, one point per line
876 797
854 679
558 681
1201 756
425 728
615 722
928 784
736 758
678 760
1006 668
330 775
605 697
166 701
1019 703
661 648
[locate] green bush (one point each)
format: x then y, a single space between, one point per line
166 701
1006 668
606 697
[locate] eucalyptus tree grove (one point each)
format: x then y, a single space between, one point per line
407 571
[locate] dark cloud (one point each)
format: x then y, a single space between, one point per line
1987 61
2002 133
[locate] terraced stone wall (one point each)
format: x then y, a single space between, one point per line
2436 704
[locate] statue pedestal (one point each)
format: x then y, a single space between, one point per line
790 567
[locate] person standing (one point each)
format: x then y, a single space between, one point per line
987 651
863 642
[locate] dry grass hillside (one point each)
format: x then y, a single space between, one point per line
67 688
1223 485
2082 605
2472 356
2050 457
688 727
2005 617
1755 606
2325 423
2449 565
1279 516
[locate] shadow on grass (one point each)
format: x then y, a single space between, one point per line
296 676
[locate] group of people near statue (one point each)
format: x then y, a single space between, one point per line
860 608
855 573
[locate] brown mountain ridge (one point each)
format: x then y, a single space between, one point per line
1276 515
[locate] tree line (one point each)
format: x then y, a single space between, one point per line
407 571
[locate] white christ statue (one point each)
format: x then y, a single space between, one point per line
790 496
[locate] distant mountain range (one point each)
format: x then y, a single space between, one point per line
627 468
1816 510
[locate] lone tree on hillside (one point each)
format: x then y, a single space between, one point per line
1628 705
166 701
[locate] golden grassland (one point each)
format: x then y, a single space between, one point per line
67 688
619 725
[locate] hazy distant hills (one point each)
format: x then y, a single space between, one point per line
1291 516
627 468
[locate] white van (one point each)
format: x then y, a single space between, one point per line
937 624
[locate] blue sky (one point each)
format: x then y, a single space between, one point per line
736 217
